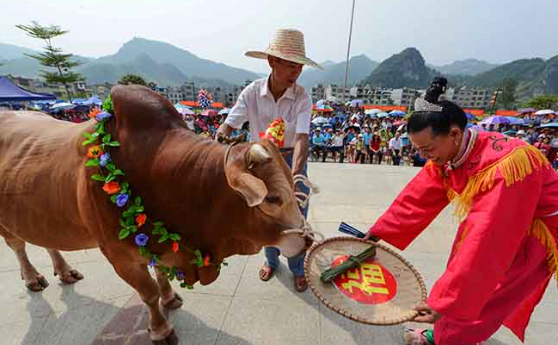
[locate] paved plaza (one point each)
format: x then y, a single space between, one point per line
238 308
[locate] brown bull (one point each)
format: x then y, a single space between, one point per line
219 206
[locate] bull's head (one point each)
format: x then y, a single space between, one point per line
223 200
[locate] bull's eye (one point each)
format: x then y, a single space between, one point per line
273 199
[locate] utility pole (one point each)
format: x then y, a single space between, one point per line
349 51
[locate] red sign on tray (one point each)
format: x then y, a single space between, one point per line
370 283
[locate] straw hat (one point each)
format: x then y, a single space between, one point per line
288 44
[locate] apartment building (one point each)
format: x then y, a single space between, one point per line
469 97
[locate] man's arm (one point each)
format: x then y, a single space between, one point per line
224 130
300 155
238 114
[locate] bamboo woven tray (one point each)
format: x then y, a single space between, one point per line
382 291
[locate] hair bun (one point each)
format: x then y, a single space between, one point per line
436 89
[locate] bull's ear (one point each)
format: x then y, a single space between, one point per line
250 187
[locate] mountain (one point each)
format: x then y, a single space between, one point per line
334 73
27 67
535 76
10 52
186 62
142 64
406 69
327 63
470 67
156 61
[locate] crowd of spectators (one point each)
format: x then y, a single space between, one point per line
350 135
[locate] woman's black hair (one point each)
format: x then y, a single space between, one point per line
440 122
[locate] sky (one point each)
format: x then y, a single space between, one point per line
496 31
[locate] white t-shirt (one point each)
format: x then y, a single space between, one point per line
257 105
337 140
395 144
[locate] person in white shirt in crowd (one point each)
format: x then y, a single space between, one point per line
337 146
395 146
521 135
276 96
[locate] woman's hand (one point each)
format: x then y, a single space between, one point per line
426 314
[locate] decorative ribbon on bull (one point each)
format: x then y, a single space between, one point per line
133 216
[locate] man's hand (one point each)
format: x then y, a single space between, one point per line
224 131
426 314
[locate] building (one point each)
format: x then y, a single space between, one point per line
473 98
318 93
379 96
175 94
404 97
337 93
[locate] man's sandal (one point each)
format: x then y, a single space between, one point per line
266 272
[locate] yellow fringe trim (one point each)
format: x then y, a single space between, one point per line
514 167
543 234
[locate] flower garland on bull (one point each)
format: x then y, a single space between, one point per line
133 216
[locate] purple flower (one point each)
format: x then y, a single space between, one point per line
141 239
152 262
104 159
180 275
103 116
122 199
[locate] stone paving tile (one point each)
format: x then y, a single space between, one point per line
79 325
199 320
279 288
100 283
265 322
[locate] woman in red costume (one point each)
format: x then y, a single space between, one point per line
505 252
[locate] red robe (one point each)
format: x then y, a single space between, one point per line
505 251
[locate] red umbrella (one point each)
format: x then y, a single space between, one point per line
209 113
400 122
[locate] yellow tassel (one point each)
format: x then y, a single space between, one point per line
543 234
514 167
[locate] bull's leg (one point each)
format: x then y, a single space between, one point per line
62 269
34 281
138 277
169 298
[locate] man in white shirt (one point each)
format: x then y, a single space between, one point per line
395 146
276 96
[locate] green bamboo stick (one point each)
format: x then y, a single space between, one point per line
352 262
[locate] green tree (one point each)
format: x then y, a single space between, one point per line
52 56
543 102
132 79
507 99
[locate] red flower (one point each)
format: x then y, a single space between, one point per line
94 152
111 187
93 113
175 247
140 219
206 260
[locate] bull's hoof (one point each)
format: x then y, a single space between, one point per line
174 303
171 339
38 284
72 276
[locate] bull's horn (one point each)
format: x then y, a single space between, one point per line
258 154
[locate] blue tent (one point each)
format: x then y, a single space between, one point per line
12 93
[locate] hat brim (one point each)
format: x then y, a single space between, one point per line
303 60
